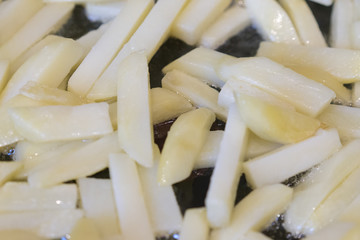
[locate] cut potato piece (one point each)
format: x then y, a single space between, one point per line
355 34
351 213
166 105
319 183
84 229
129 199
221 194
15 14
333 231
42 124
104 51
345 119
272 21
283 163
274 123
48 66
46 20
183 145
8 170
341 21
104 11
307 96
199 93
201 63
4 73
237 86
210 150
195 226
19 196
255 211
228 24
305 22
46 223
258 146
51 95
155 29
334 61
84 161
100 208
35 154
135 128
196 17
164 211
334 204
88 40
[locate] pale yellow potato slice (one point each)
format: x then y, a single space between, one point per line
356 94
166 105
237 86
225 178
4 73
49 66
19 196
15 14
155 29
55 123
50 95
8 170
210 150
305 22
334 61
201 63
48 224
89 39
164 211
86 160
319 184
198 92
355 35
274 123
135 127
46 20
351 213
255 211
307 96
195 225
33 154
334 231
183 144
344 118
8 134
272 21
196 17
287 161
229 23
104 11
106 48
99 208
131 207
334 204
340 24
258 146
85 229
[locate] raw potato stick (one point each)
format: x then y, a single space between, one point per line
183 144
155 29
231 22
85 229
195 225
14 14
285 162
4 73
8 170
99 208
305 22
225 178
196 17
263 13
341 21
135 127
199 93
129 199
104 51
210 150
49 18
201 63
